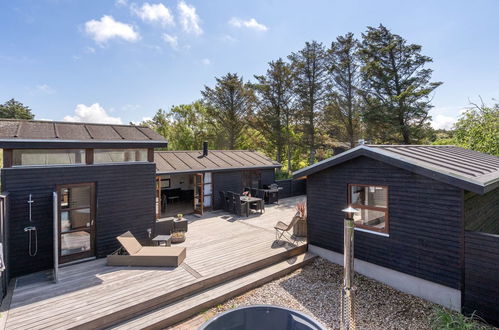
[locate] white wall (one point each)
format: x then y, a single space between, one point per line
434 292
182 181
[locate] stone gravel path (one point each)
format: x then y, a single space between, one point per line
315 290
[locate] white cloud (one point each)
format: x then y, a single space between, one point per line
107 28
206 61
443 122
189 20
44 88
171 40
90 50
154 13
250 24
121 2
92 114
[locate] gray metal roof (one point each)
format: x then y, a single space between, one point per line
14 131
168 162
467 169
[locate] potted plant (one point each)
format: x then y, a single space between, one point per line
300 227
178 236
179 216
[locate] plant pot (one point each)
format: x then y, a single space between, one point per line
300 228
178 237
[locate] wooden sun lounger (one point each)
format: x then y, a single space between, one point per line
151 256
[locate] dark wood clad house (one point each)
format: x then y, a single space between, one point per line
427 213
190 181
71 188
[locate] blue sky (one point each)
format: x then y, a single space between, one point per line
119 61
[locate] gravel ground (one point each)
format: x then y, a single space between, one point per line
315 290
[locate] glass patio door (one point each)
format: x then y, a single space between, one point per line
76 209
198 193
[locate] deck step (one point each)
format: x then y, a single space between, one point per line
182 292
182 309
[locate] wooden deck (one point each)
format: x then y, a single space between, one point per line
90 295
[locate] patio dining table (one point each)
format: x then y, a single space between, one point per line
254 200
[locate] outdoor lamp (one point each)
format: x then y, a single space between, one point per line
347 293
349 212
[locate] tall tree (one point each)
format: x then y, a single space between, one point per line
310 72
345 101
15 110
396 85
228 104
272 117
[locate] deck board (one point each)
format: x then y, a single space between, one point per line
216 244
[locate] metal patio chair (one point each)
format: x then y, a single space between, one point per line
281 228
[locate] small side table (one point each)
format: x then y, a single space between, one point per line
167 239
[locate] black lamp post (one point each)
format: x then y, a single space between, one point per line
347 293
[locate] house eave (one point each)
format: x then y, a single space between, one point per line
56 143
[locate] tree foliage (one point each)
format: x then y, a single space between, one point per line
345 104
273 113
228 104
310 86
314 100
15 110
478 129
396 86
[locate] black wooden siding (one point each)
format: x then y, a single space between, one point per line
481 290
233 181
426 232
292 187
226 181
268 177
125 201
481 212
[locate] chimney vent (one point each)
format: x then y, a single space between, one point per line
361 142
205 148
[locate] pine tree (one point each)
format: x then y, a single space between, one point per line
396 86
310 81
274 112
228 105
345 101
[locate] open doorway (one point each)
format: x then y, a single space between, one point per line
183 193
176 194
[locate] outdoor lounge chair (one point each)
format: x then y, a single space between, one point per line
138 255
281 228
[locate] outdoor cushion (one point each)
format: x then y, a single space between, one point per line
129 242
166 251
